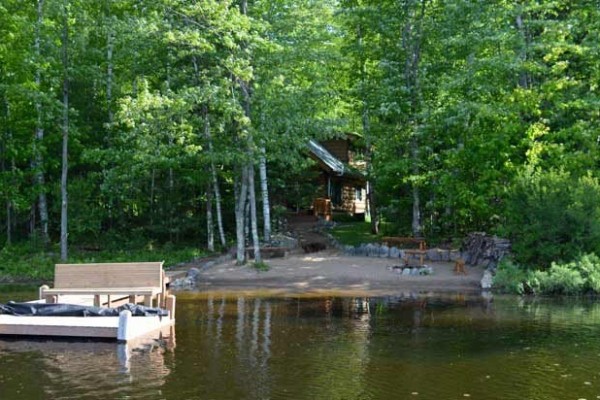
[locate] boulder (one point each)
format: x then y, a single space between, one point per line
434 254
487 280
372 250
454 255
348 250
192 273
384 251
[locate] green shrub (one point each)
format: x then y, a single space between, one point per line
577 277
561 279
354 233
261 266
552 216
22 262
589 267
510 278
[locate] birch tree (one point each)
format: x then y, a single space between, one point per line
65 134
38 160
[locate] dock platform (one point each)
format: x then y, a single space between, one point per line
122 328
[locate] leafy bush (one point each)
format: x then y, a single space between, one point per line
560 279
261 266
589 267
354 233
552 216
510 278
22 262
577 277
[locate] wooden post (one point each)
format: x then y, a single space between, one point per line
124 325
41 291
171 306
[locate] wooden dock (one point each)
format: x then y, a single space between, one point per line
108 284
123 328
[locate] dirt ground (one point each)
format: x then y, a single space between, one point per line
331 271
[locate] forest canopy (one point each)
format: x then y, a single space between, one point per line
174 120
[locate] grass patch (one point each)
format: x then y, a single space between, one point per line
22 262
261 266
354 233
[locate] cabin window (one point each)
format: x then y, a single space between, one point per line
359 194
336 193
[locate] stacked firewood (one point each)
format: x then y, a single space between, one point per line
484 250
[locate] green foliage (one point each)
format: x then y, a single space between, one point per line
453 98
560 279
261 266
588 266
24 262
354 233
553 216
577 277
510 278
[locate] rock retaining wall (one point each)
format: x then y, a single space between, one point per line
383 251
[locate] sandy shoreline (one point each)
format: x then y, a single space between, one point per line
329 271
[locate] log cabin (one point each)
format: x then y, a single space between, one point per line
341 180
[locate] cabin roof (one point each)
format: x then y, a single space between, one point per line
326 157
331 162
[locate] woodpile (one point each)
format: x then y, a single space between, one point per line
484 250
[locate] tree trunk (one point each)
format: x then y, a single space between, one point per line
109 74
210 233
371 198
247 220
218 204
417 229
38 162
152 191
213 169
241 192
9 201
366 125
253 217
524 77
412 38
65 133
215 181
264 188
245 89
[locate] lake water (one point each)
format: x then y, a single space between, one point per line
397 347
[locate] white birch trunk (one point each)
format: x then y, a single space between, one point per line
253 217
264 188
65 133
39 130
210 234
215 183
152 191
109 73
417 229
412 37
241 192
250 168
9 203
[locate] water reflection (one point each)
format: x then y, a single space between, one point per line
405 346
89 368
